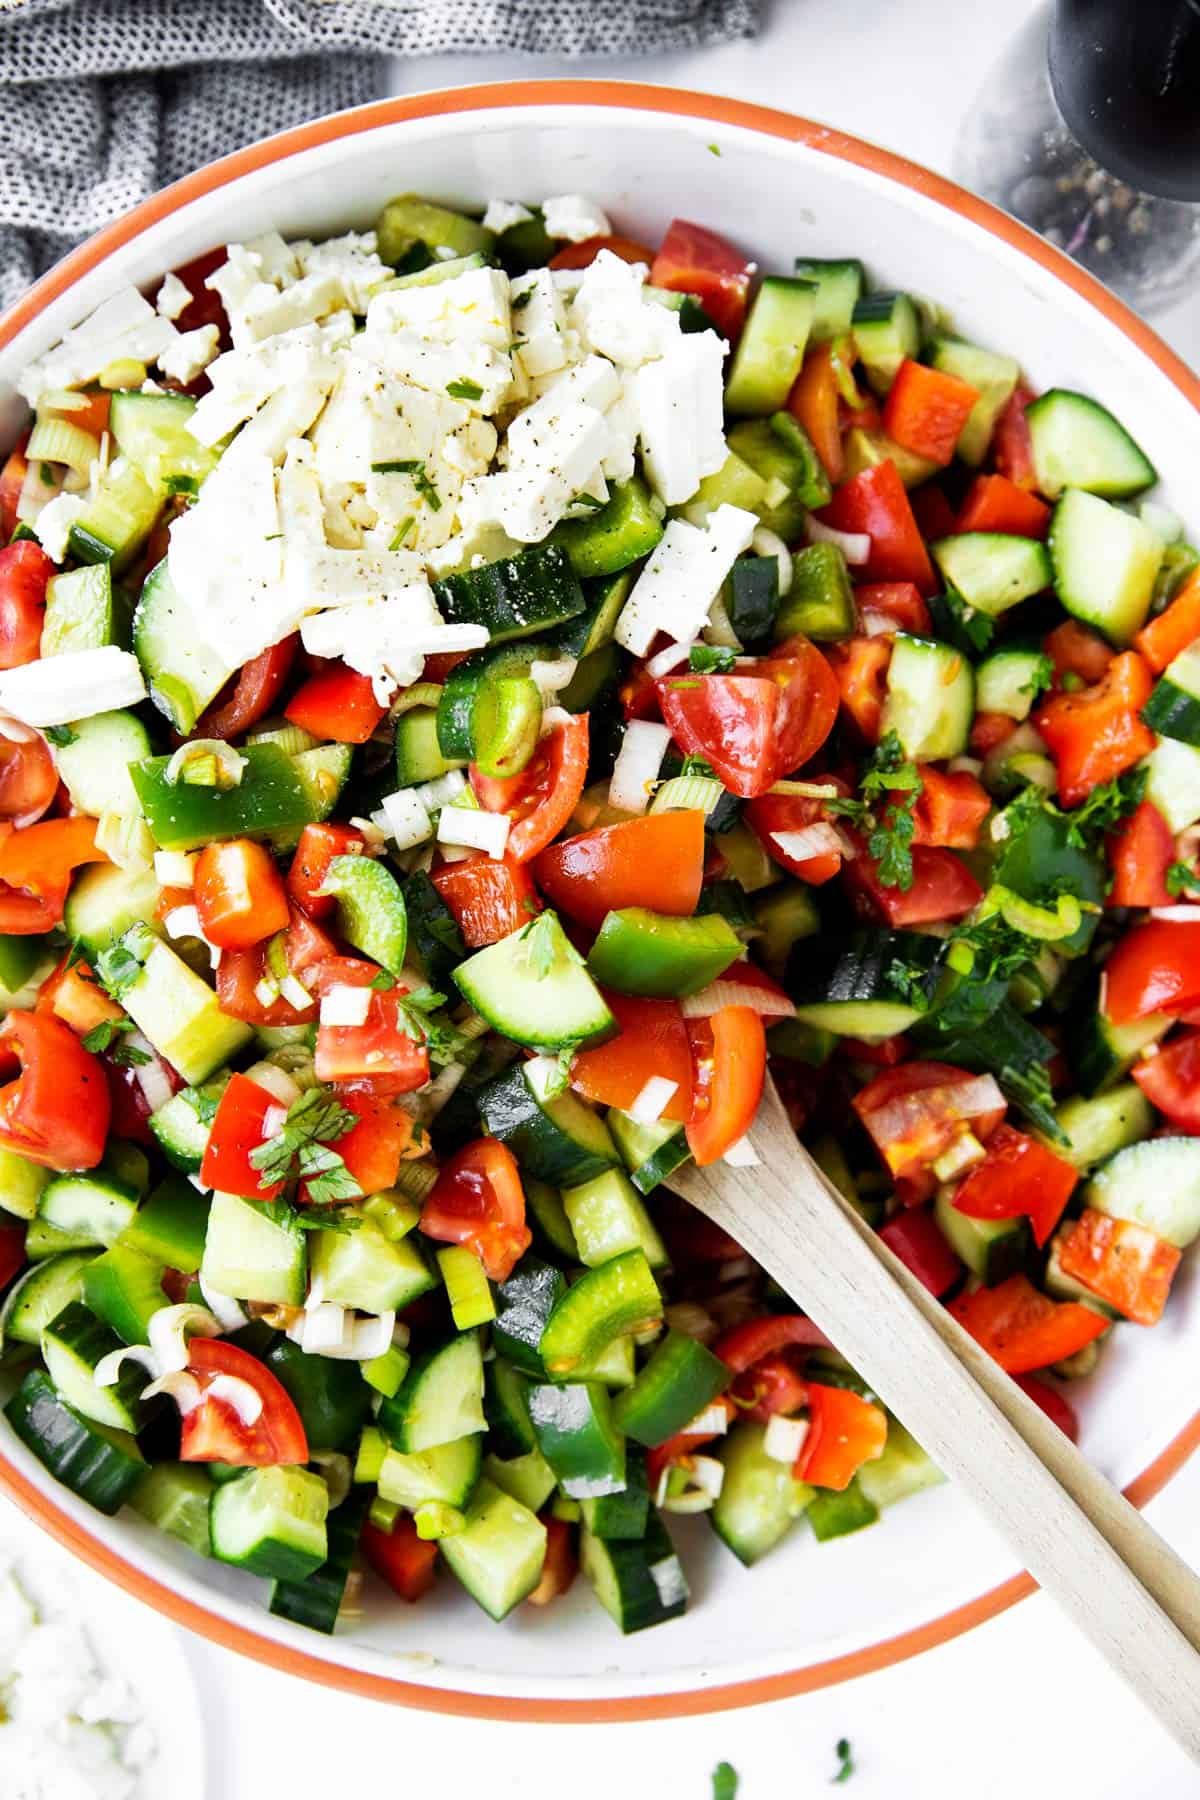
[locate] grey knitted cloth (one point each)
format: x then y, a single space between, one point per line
105 101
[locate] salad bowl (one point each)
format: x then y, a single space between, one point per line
781 187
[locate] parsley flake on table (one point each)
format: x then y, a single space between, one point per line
845 1758
724 1782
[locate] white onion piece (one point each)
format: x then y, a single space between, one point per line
549 677
742 1155
36 493
717 994
335 1473
712 1422
705 1478
769 543
183 1388
475 829
108 1369
1176 915
244 1398
552 718
965 765
223 1307
668 659
342 1005
16 730
957 1099
638 762
783 1439
876 624
657 1094
371 1337
276 1081
291 990
322 1329
183 921
230 762
818 839
169 1328
855 546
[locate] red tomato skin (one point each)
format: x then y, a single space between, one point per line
1020 1178
915 1238
240 971
1122 1262
994 503
250 695
318 846
875 502
950 808
694 260
24 571
1012 444
844 1432
213 1431
758 725
651 1039
1171 1082
1154 968
404 1560
932 1126
1139 853
942 888
238 1127
860 667
489 898
239 894
729 1051
541 799
381 1047
772 813
338 703
374 1148
1052 1403
583 255
57 1110
656 862
479 1202
12 1252
898 603
28 780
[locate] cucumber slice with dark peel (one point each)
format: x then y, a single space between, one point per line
499 1553
73 1344
169 1225
839 288
1096 1129
331 1396
639 1582
100 1465
852 988
516 597
578 1436
182 669
993 570
175 1497
440 1399
524 1304
124 1289
626 1513
1105 564
433 929
40 1294
993 1249
760 1498
676 1384
772 344
1078 444
315 1600
533 987
371 912
621 532
650 1152
506 1408
272 1522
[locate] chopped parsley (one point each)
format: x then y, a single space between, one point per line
59 735
383 981
541 940
893 825
724 1776
203 1105
118 969
711 659
334 1219
403 530
106 1035
415 467
1041 678
1105 807
302 1151
1181 878
464 390
46 473
414 1017
845 1758
966 628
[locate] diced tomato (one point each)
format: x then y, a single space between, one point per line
383 1046
774 1385
383 1138
950 808
205 306
1121 1262
1171 1082
490 898
403 1559
914 1236
895 604
925 410
933 512
240 972
814 403
478 1201
36 865
1020 1178
883 1055
651 1040
239 894
1140 852
24 571
844 1432
12 1252
214 1431
656 862
860 667
760 724
56 1112
729 1051
1154 968
989 730
774 814
72 993
12 480
338 703
1022 1328
28 780
694 260
249 696
914 1113
994 503
1012 445
239 1126
559 1567
875 502
583 255
1161 639
1052 1403
942 888
743 1346
318 846
443 663
1074 650
638 694
541 799
1097 734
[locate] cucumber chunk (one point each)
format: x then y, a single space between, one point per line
272 1522
183 672
440 1399
533 987
993 570
1155 1184
771 348
102 1466
499 1552
1105 563
639 1583
760 1498
930 700
1078 444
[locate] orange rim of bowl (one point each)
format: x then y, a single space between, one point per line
768 122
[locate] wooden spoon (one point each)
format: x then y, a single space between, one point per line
1082 1541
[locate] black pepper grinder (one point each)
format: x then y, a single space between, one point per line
1090 132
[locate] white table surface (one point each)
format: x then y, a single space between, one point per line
1018 1706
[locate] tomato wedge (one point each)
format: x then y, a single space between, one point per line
250 695
489 898
942 888
541 799
240 972
1020 1178
875 502
914 1113
1171 1082
1140 852
239 1126
950 808
583 255
651 1040
656 862
478 1201
773 816
383 1046
1098 733
743 1346
215 1431
914 1236
758 725
383 1138
1154 968
404 1560
730 1054
695 260
24 571
57 1110
240 895
318 846
338 703
28 779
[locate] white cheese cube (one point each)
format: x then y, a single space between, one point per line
57 690
575 217
191 352
53 524
172 298
683 577
680 409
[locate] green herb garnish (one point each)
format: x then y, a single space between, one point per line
302 1148
893 825
1105 807
712 659
1181 877
59 735
845 1761
464 390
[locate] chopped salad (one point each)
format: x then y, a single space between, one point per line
474 694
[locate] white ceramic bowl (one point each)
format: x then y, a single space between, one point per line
779 186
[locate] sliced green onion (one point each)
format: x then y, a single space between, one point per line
688 793
436 1520
292 739
383 1514
396 1212
1049 924
206 762
61 441
421 693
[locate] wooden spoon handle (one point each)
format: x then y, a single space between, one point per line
1073 1532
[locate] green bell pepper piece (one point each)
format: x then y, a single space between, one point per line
641 952
578 1437
184 816
371 911
19 957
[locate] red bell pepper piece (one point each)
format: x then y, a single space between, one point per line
1171 1082
897 605
1097 734
489 898
914 1236
1023 1329
338 703
730 1054
814 404
656 862
860 667
1020 1178
318 846
694 260
1154 968
1140 852
743 1346
56 1112
651 1040
24 571
403 1559
1122 1263
950 808
1162 638
240 895
1052 1404
875 502
1074 650
844 1432
925 410
379 1142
